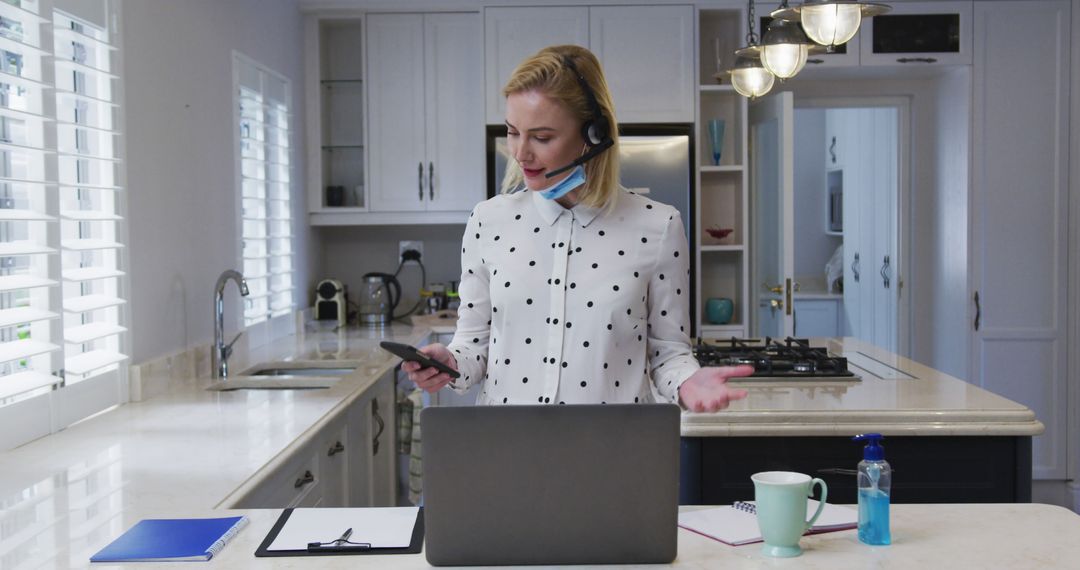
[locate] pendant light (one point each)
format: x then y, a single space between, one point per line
748 76
830 22
784 48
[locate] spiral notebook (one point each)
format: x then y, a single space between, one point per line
737 524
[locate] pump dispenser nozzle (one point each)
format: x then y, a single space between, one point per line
873 450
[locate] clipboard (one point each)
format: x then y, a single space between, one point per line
415 542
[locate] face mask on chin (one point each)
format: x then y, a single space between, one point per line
564 186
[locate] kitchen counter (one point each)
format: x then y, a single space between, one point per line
190 450
934 536
895 396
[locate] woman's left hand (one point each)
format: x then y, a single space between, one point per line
707 390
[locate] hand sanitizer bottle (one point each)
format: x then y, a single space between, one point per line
875 478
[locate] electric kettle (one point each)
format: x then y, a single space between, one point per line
379 296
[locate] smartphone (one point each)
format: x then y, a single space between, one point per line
410 354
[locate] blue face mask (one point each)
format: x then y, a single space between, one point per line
563 187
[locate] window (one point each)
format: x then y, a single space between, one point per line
62 335
262 104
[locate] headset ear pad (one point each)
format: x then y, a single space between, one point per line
596 130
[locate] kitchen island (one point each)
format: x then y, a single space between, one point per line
947 440
191 451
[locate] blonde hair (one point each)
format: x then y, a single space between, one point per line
547 73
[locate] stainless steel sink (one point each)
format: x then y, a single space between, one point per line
323 372
288 375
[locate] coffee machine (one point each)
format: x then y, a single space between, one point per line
330 301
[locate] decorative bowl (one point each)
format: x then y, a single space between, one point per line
719 233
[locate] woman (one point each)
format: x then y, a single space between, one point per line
574 290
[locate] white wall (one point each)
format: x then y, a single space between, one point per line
349 252
180 148
813 247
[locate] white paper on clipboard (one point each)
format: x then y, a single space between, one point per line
382 527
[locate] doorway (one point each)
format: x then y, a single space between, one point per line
848 206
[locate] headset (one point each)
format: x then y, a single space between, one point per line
597 129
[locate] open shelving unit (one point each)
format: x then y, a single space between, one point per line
722 200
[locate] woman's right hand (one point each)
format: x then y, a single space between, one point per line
430 379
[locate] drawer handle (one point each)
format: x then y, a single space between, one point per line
916 60
307 478
336 449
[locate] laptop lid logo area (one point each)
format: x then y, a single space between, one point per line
551 484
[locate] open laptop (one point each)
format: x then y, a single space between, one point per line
587 484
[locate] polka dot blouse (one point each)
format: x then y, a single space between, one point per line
573 306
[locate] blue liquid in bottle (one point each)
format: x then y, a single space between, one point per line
874 517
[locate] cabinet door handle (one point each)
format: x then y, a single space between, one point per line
916 60
335 449
832 150
884 272
855 267
307 478
815 61
978 311
382 426
431 180
420 179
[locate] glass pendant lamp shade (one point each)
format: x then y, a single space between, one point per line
750 78
784 49
831 24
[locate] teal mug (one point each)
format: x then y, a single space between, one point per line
781 509
719 310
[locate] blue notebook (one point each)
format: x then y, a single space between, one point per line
171 539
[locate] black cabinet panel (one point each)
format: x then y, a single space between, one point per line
917 33
945 469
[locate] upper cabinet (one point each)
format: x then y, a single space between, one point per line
426 130
396 101
919 33
512 34
646 52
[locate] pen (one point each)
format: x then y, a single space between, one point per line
344 536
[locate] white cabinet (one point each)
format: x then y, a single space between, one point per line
919 33
646 51
425 127
648 60
817 317
1019 236
375 446
513 34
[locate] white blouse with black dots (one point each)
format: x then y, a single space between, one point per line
578 306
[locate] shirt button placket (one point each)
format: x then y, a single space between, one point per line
560 258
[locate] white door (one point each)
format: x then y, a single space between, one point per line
395 59
648 57
454 171
772 164
1019 240
513 34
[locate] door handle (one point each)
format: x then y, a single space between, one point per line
382 426
855 267
916 60
335 449
778 289
431 180
832 150
420 179
884 272
978 311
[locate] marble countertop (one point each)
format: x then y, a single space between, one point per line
976 536
894 396
187 449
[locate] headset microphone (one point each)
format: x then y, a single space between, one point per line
595 131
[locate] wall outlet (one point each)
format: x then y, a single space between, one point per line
410 244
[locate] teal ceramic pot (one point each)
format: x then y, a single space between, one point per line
718 310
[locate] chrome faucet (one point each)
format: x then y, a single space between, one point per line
219 355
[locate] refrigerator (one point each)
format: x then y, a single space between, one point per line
656 160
